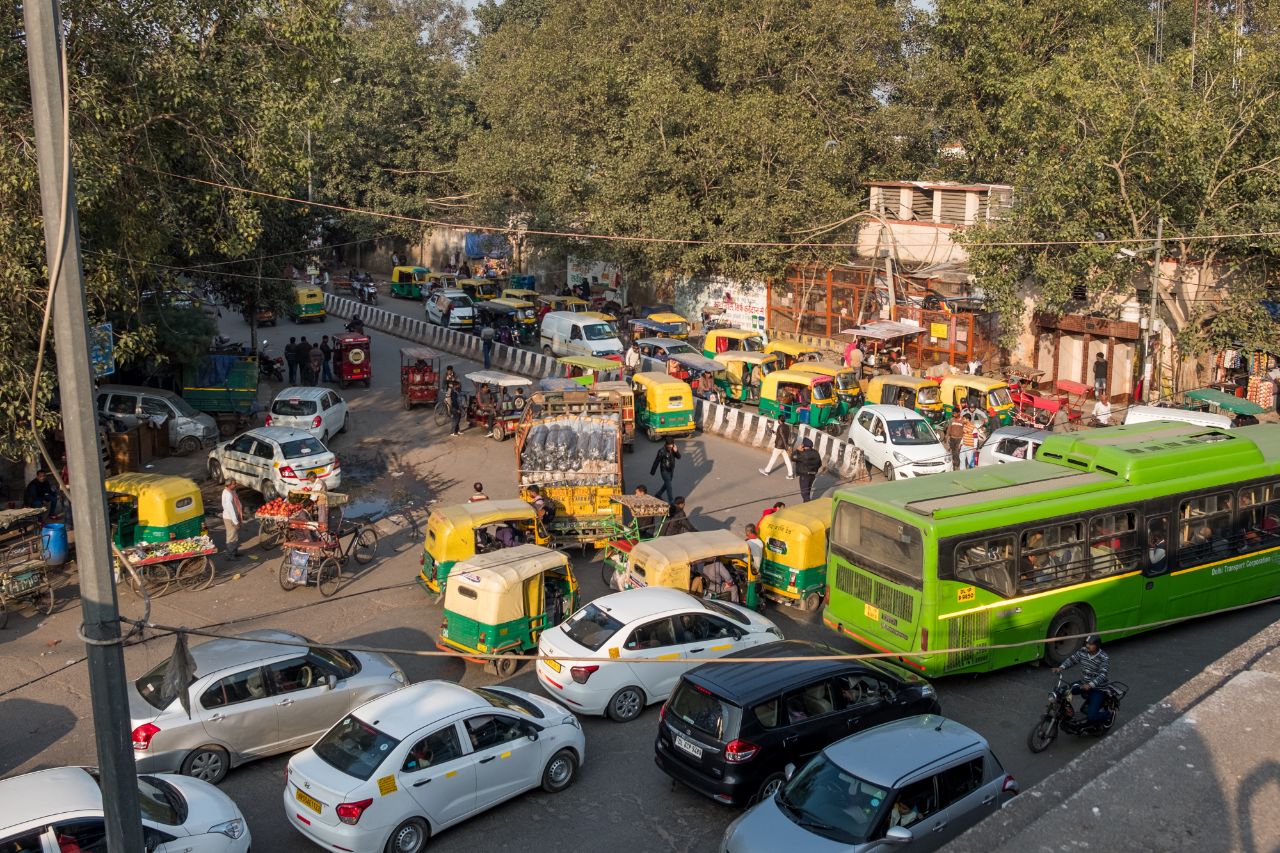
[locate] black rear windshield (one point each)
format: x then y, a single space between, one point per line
354 747
591 627
706 713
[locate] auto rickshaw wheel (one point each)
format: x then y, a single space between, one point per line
286 584
811 602
651 434
195 573
498 433
506 666
889 472
328 576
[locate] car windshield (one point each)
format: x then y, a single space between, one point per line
184 408
460 301
155 688
502 699
302 447
907 433
999 397
354 747
591 627
831 802
725 610
293 406
344 662
597 331
160 801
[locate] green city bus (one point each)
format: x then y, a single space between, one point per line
1106 529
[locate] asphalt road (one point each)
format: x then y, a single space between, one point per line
621 800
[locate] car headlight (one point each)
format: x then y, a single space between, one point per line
399 677
902 460
573 721
927 690
231 829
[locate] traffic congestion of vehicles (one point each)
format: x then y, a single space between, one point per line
804 744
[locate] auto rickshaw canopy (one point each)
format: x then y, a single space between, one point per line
564 303
524 306
845 378
668 560
412 355
925 391
451 530
678 325
497 377
663 393
956 388
794 350
163 500
599 315
478 288
520 293
697 363
490 588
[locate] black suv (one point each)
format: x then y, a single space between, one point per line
728 731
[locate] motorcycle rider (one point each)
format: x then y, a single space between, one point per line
356 325
1095 664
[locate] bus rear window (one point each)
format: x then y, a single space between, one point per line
873 541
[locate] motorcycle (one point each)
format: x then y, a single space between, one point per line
366 292
268 367
1061 714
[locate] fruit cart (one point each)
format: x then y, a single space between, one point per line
314 553
24 580
273 520
183 563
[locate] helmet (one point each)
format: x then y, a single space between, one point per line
1093 640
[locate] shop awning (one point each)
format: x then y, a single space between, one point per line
883 330
1225 401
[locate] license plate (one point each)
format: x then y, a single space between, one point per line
687 745
316 471
554 664
308 801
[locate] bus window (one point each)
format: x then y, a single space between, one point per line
1259 524
1052 556
877 543
1203 528
1113 543
987 563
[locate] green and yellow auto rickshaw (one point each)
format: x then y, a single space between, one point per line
167 508
500 603
664 406
849 396
800 398
439 281
789 352
525 316
717 342
691 561
744 371
587 370
306 303
552 302
990 395
479 289
678 327
794 567
460 531
408 282
910 392
520 293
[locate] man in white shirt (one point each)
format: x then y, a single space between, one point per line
1102 411
232 516
755 546
632 360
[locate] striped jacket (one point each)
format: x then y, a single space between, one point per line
1094 668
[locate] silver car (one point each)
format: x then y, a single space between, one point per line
912 784
1011 444
250 700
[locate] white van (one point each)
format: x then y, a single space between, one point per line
569 333
1143 414
189 430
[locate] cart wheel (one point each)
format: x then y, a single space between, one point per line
270 534
195 573
328 576
366 546
44 601
285 583
442 413
606 573
155 578
498 433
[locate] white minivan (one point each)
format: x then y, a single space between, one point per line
1144 414
568 333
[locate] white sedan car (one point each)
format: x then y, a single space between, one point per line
899 441
319 411
407 765
61 809
274 461
654 622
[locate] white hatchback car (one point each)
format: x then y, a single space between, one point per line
899 441
318 411
653 622
61 809
1011 444
407 765
461 310
274 461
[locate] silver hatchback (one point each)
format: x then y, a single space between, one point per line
250 700
912 784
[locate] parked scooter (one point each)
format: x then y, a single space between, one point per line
1060 714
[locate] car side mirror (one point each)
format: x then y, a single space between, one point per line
879 439
330 681
789 771
898 835
532 733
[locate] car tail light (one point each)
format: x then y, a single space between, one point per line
286 775
662 713
582 673
268 421
1010 785
924 639
349 813
143 734
287 471
315 422
739 751
335 466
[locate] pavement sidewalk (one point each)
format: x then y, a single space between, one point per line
1197 771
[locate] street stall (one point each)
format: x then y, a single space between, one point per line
419 376
157 522
273 519
880 339
183 563
24 578
314 553
351 359
641 518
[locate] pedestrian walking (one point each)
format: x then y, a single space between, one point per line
782 444
303 351
486 343
664 464
232 517
1100 376
955 436
291 359
317 363
455 406
326 352
808 464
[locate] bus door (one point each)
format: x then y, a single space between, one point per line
1157 560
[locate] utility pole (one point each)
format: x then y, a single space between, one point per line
1148 357
107 682
308 163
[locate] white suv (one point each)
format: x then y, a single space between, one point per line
899 441
318 411
274 461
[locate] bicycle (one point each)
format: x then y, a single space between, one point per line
316 555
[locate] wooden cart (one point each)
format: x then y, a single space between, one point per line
24 578
183 563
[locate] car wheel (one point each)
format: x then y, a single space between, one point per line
267 491
409 837
626 705
560 771
189 444
770 786
343 428
547 352
208 764
215 472
889 473
1069 621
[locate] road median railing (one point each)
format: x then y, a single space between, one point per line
740 425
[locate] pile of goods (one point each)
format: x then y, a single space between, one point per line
581 451
173 549
281 508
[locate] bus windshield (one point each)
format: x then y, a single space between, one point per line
873 541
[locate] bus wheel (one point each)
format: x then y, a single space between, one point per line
1069 622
